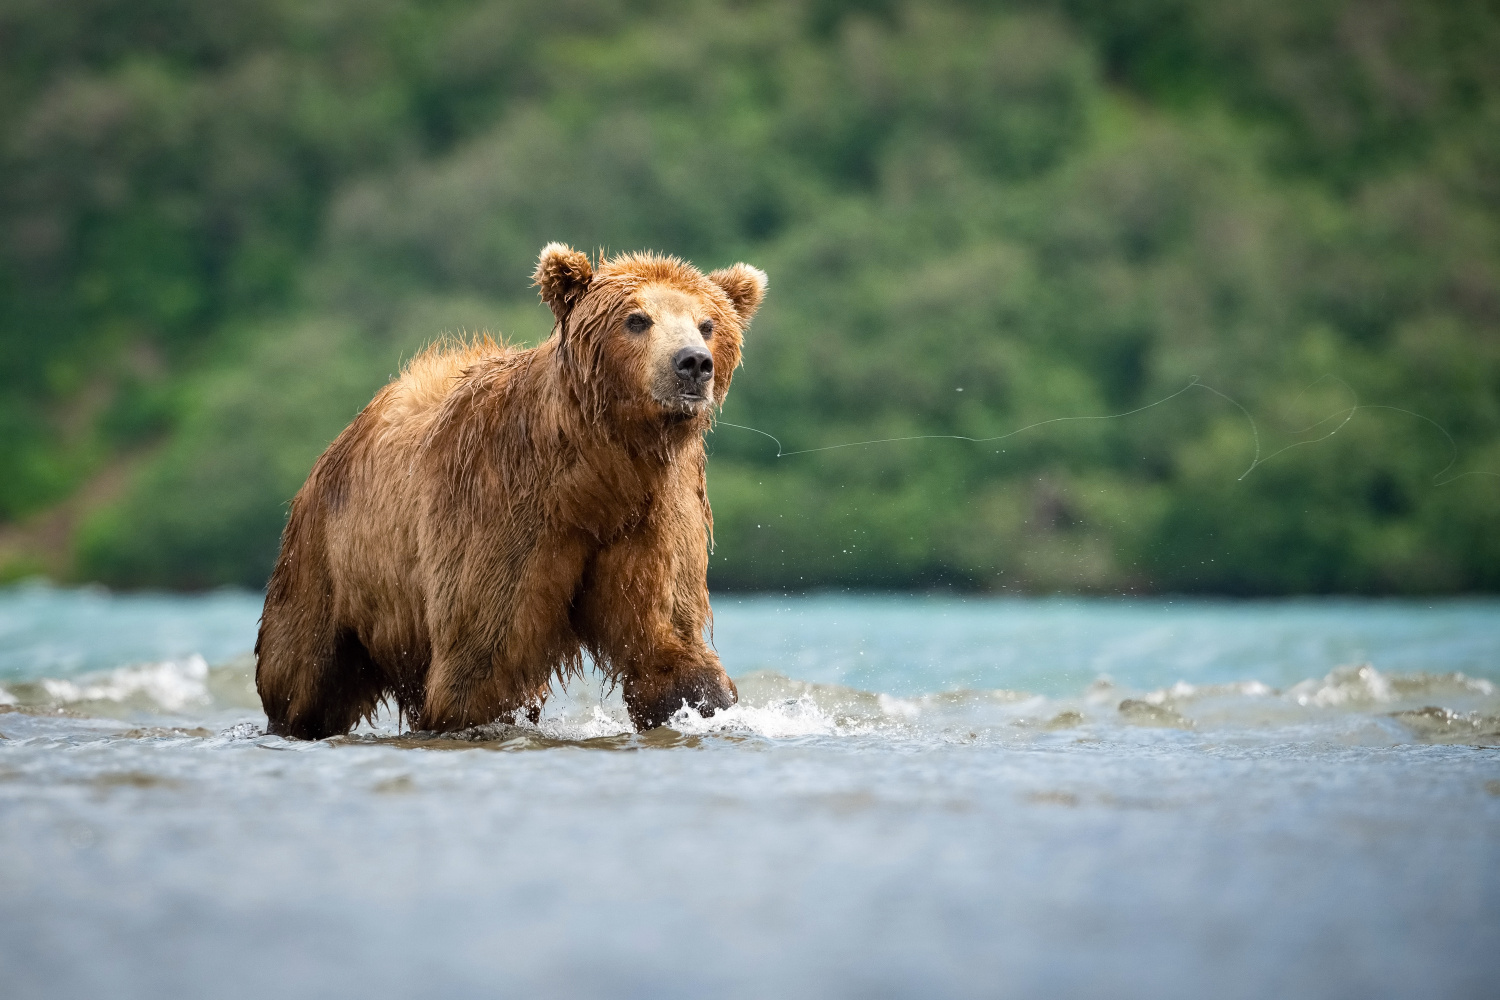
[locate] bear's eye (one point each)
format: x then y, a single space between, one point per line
706 328
638 322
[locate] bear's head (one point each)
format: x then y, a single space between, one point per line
647 338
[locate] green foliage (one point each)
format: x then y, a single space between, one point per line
224 225
200 515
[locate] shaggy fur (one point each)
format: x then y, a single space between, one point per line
494 513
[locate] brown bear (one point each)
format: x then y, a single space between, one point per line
495 513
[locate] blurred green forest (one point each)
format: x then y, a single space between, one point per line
225 224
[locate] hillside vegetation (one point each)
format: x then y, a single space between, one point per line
225 224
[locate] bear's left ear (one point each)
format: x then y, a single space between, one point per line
563 275
745 286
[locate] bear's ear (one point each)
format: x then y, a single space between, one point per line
563 275
745 286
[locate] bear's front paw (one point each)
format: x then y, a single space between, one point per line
652 706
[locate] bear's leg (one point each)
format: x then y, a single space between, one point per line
346 690
470 685
320 688
642 614
655 691
315 678
495 651
454 685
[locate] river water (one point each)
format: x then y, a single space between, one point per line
916 797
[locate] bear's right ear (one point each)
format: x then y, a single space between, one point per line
563 275
745 286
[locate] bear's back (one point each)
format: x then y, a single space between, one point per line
406 407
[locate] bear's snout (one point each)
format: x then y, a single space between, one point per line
694 368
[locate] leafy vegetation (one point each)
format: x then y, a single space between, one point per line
1268 232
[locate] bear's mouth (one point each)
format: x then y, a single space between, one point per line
688 405
685 402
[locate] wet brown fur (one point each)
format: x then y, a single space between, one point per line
495 512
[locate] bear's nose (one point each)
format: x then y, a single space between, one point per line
693 364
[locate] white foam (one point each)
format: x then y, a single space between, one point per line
1183 691
172 685
242 731
1363 685
781 720
1346 685
898 708
598 723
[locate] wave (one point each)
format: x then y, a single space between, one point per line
1440 708
170 687
773 706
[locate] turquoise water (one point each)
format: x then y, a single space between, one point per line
915 797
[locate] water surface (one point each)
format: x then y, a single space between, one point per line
915 797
